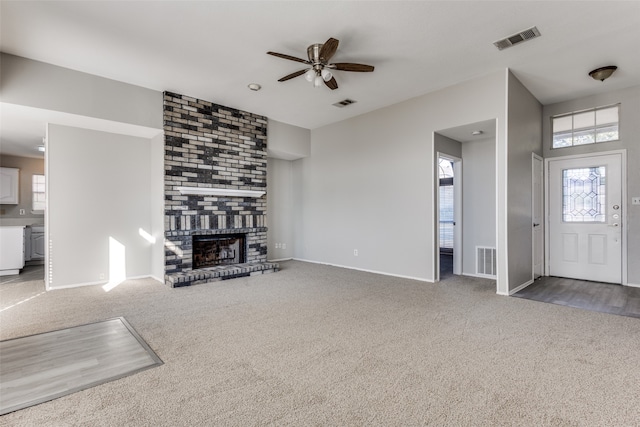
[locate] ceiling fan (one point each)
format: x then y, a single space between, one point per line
320 69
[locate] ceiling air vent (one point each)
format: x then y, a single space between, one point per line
344 103
528 34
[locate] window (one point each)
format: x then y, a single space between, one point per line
584 194
445 176
38 194
585 127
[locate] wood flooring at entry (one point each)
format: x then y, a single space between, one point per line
594 296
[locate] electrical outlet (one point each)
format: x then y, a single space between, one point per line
355 252
635 200
22 212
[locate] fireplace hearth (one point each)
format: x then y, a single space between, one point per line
215 250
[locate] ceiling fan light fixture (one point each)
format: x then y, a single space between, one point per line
319 55
310 75
603 73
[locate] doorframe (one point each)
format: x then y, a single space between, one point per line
457 214
623 233
543 220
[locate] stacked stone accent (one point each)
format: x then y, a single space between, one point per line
211 146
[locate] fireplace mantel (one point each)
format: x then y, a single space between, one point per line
228 192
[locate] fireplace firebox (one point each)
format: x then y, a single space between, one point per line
215 250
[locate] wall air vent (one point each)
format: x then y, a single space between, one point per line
486 262
344 103
528 34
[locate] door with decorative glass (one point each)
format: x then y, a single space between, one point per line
585 218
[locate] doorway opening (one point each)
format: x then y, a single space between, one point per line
449 215
470 199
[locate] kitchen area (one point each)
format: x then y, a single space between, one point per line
22 208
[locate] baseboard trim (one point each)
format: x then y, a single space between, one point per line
480 276
102 282
633 285
279 260
521 287
364 270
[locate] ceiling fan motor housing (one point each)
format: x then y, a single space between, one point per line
313 52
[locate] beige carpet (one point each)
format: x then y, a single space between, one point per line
317 345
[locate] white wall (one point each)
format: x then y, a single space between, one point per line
41 85
629 100
285 144
524 137
286 141
368 183
279 209
478 199
99 187
445 145
156 194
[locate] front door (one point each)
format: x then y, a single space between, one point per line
585 218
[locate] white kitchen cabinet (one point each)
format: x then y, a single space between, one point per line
9 186
11 249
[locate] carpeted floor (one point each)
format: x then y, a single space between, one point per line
318 345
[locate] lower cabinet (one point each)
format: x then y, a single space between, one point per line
37 246
34 243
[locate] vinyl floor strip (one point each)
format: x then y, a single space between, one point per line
43 367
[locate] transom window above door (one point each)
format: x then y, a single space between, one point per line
586 127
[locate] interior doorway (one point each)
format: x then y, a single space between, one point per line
474 200
449 215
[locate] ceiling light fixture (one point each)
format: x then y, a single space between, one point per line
603 73
254 87
310 75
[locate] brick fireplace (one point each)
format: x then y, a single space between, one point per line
215 190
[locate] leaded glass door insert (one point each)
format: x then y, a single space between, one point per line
584 194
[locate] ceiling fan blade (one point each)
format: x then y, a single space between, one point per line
291 58
328 49
292 75
332 84
349 66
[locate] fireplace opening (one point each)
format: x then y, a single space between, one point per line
214 250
